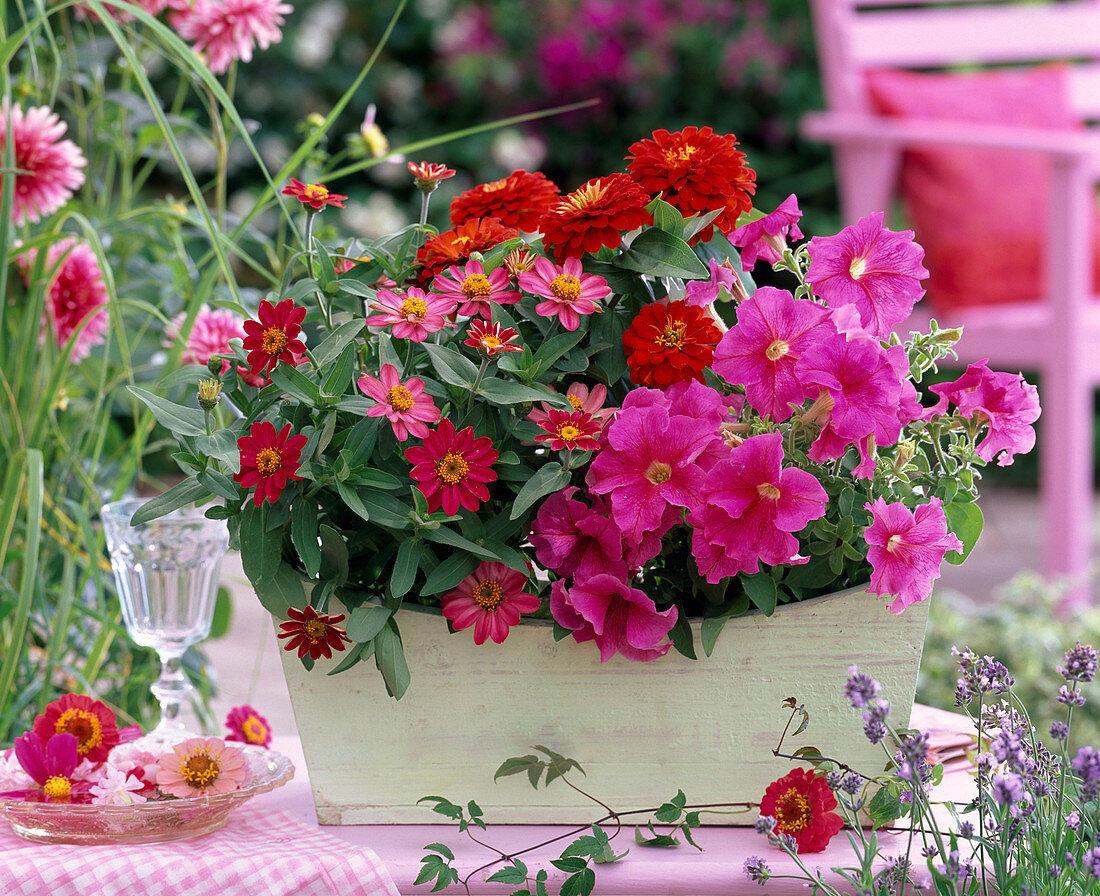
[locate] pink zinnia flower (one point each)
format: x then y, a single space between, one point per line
576 541
201 766
875 269
906 549
76 303
703 292
413 315
47 168
406 405
452 469
761 350
589 401
225 30
474 290
490 599
568 291
767 237
247 726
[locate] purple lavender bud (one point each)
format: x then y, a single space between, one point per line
1087 766
875 730
966 830
1070 697
851 784
860 688
756 869
1080 664
1073 820
1007 789
834 779
787 842
765 824
1059 731
1092 860
929 851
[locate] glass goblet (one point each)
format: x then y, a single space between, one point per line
166 571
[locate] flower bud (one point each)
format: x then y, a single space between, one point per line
209 394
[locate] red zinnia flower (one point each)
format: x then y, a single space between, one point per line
247 726
429 174
47 168
92 723
696 171
490 599
454 247
273 336
569 430
451 469
313 633
801 804
519 200
594 216
669 344
316 196
491 339
268 460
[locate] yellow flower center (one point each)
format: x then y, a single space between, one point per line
566 286
85 725
476 285
858 267
199 769
573 400
254 731
658 472
57 787
460 242
414 306
893 543
274 341
792 812
315 630
681 156
490 342
399 398
489 594
316 191
777 350
567 432
673 335
587 195
268 460
452 468
767 491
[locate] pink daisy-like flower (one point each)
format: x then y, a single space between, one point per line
52 766
569 430
906 549
761 350
474 290
767 237
226 30
406 405
491 600
247 726
703 292
77 297
413 315
201 766
589 401
47 168
866 265
568 291
452 469
491 339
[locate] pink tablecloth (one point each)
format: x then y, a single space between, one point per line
272 853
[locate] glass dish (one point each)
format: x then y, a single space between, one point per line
155 821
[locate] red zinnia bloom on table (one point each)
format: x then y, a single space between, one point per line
76 302
268 460
474 290
569 293
314 633
802 805
316 196
594 216
518 200
451 469
491 600
406 405
90 721
668 344
569 430
273 336
247 726
47 168
696 171
490 339
225 30
413 315
455 246
429 174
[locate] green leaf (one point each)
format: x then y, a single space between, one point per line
570 864
548 479
452 539
221 444
452 367
966 521
579 884
176 418
661 840
351 497
339 376
761 590
442 849
281 591
182 494
355 655
552 349
338 341
502 392
681 636
661 254
223 613
449 573
261 550
558 765
405 566
389 656
530 765
365 623
515 874
385 510
444 807
334 555
666 217
368 477
885 807
303 532
296 384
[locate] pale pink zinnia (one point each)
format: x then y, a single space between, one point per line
226 30
568 291
201 766
413 315
476 291
76 302
767 237
47 168
405 404
491 600
906 549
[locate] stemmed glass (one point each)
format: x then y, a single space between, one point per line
166 571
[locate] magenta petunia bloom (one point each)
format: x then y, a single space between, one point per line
698 402
452 469
491 600
47 168
568 291
405 404
413 315
703 292
227 30
76 301
576 541
906 549
767 237
869 266
773 331
474 290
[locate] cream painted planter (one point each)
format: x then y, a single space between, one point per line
640 730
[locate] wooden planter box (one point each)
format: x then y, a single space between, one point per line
640 730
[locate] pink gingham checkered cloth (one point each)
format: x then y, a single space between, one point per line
255 854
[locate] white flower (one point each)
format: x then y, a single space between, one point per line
117 788
12 776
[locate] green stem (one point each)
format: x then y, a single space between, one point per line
477 383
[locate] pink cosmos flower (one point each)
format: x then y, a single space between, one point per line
906 548
875 269
703 292
1005 401
226 30
773 331
767 237
620 619
47 168
77 298
201 766
575 540
491 600
568 291
210 335
52 766
406 405
413 315
474 290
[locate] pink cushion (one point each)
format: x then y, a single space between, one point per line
979 213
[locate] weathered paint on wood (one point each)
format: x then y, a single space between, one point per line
640 730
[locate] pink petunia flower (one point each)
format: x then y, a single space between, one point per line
761 351
568 291
210 335
576 541
906 549
47 168
767 237
406 405
474 290
201 766
413 315
869 266
77 297
227 30
491 600
703 292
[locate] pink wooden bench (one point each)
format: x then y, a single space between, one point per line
1058 333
